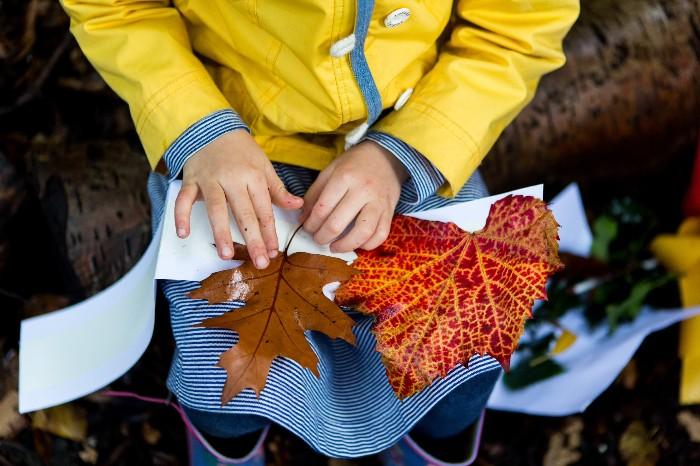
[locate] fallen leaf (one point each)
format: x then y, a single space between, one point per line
629 375
11 421
558 454
344 462
573 429
282 301
441 295
691 422
88 455
67 421
563 449
637 447
150 434
564 342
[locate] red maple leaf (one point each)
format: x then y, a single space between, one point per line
441 295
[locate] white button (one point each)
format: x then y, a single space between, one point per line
354 136
403 98
344 46
397 17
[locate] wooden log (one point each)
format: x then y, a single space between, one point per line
95 199
624 105
12 191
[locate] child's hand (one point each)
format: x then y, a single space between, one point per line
363 185
233 169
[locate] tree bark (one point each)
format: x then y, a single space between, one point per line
12 191
96 203
624 105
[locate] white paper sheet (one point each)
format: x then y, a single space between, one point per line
472 215
194 258
591 364
575 235
75 351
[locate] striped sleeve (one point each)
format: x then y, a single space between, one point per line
199 135
425 178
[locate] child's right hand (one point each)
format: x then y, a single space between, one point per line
233 169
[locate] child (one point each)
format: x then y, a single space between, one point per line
395 103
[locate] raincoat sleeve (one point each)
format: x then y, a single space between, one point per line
142 50
486 72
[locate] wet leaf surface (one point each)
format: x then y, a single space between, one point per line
282 302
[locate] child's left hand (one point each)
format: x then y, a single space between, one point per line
361 185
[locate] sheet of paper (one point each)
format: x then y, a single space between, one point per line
195 257
591 364
472 215
79 349
575 235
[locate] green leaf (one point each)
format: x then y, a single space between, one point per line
530 370
605 231
560 299
629 308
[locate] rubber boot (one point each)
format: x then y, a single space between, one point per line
202 454
407 452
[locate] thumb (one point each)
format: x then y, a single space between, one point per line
279 194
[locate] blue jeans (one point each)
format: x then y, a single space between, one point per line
451 415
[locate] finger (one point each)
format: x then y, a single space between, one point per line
183 208
364 228
279 194
338 220
260 199
247 222
314 192
217 210
329 198
381 233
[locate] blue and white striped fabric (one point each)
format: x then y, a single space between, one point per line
425 178
350 410
199 135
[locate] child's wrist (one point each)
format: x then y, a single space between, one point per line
397 166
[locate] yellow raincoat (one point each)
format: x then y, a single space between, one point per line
284 66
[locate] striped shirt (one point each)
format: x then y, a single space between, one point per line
424 179
351 409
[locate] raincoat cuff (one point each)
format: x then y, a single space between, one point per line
199 135
424 179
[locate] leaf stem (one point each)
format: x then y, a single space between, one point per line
286 248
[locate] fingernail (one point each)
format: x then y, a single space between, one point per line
181 232
261 262
272 253
226 251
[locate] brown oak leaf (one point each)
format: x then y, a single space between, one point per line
441 295
282 301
